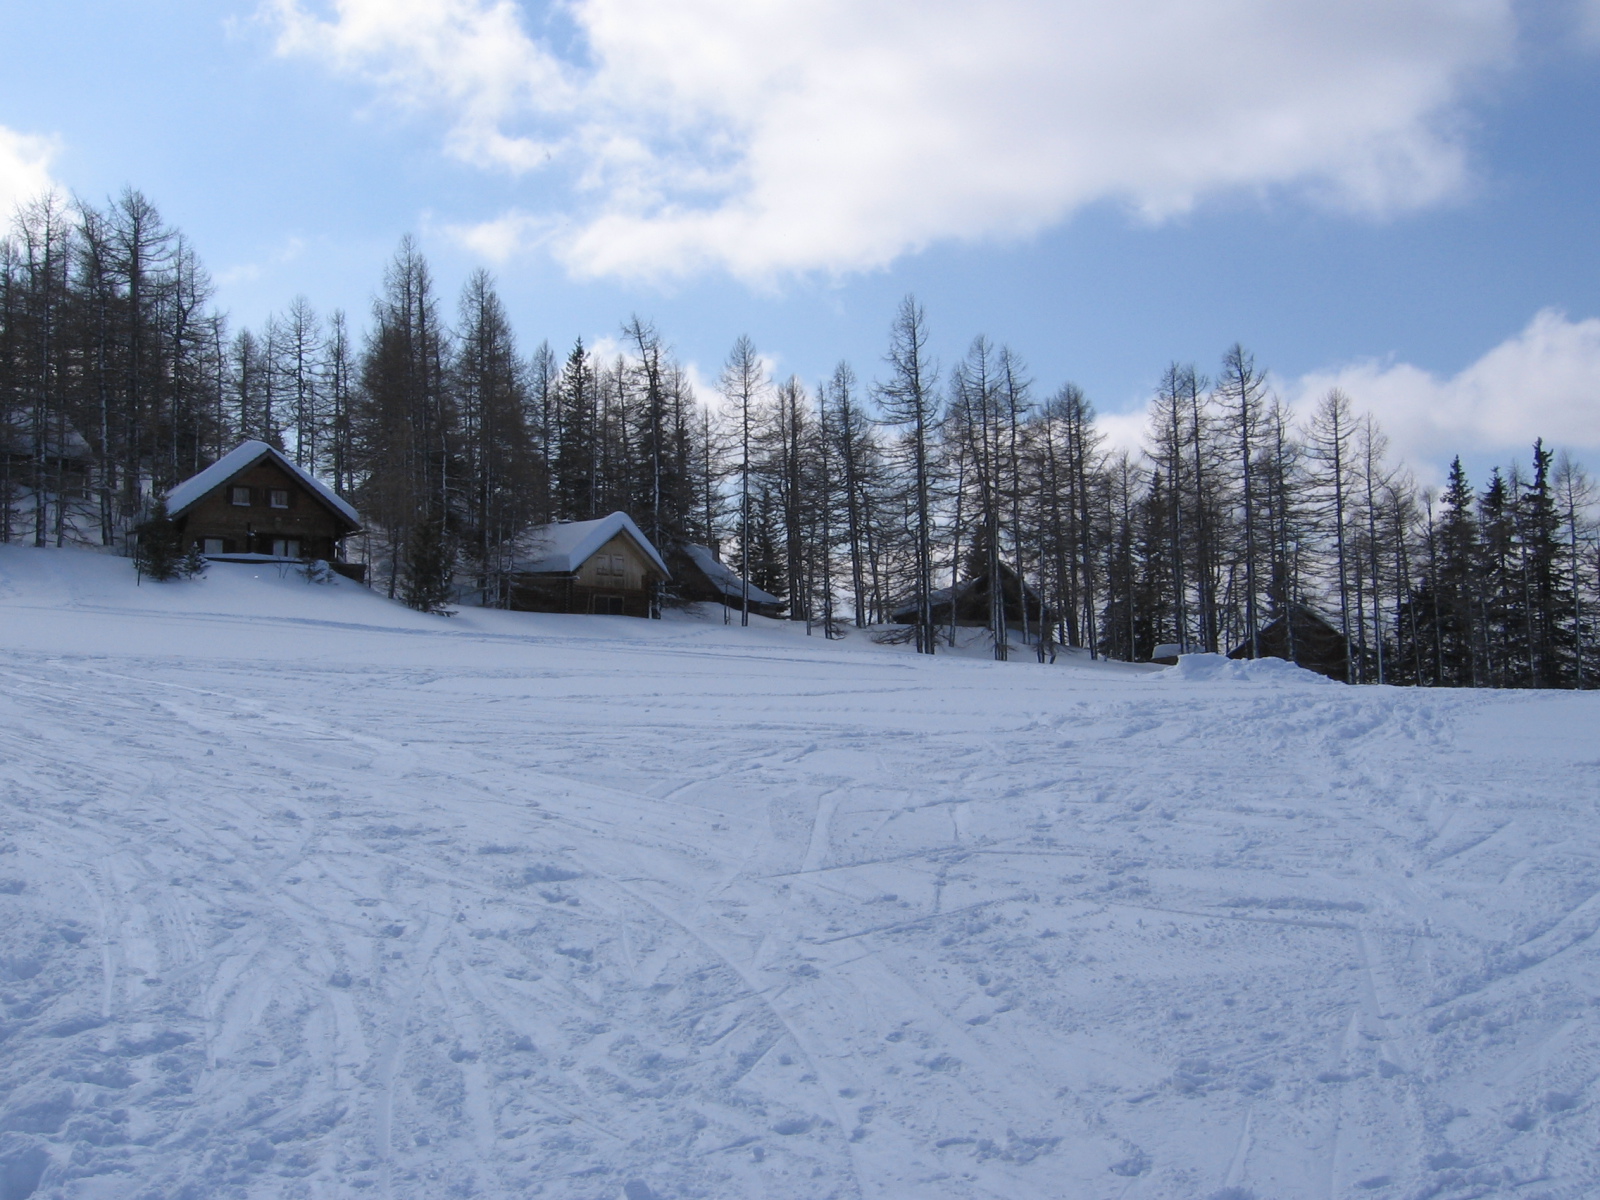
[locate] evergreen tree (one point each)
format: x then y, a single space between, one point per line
574 488
501 480
1545 601
430 560
1457 602
1496 595
763 565
161 554
406 435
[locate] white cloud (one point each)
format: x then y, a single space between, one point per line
469 58
288 251
1544 382
798 135
501 238
24 168
1124 431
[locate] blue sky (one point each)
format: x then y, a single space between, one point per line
1396 196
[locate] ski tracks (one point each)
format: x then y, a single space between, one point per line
417 931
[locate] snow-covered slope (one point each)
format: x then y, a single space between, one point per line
304 894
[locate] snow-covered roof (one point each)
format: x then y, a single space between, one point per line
1303 612
907 611
1311 610
247 454
57 443
562 548
959 592
724 578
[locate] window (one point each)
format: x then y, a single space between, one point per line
279 497
212 546
609 565
286 547
239 496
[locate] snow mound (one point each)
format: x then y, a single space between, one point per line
1217 668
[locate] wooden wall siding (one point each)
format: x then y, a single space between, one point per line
563 594
251 530
632 579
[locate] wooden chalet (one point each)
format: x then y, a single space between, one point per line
54 463
968 603
699 576
605 566
253 504
1306 638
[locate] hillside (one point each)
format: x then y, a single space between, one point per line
303 894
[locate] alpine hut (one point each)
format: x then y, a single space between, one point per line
605 566
1306 638
253 504
698 575
967 603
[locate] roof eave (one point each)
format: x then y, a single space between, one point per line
351 527
176 512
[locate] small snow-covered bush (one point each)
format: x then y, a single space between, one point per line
318 571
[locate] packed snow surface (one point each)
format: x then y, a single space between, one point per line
303 894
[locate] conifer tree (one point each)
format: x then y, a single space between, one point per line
742 384
1330 444
574 492
161 554
338 373
908 400
1241 391
501 484
294 364
429 571
1456 624
406 423
541 419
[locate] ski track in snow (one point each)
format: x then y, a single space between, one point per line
305 895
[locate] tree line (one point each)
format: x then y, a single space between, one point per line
850 500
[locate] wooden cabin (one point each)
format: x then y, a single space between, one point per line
53 464
605 566
968 603
1306 638
253 504
699 576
